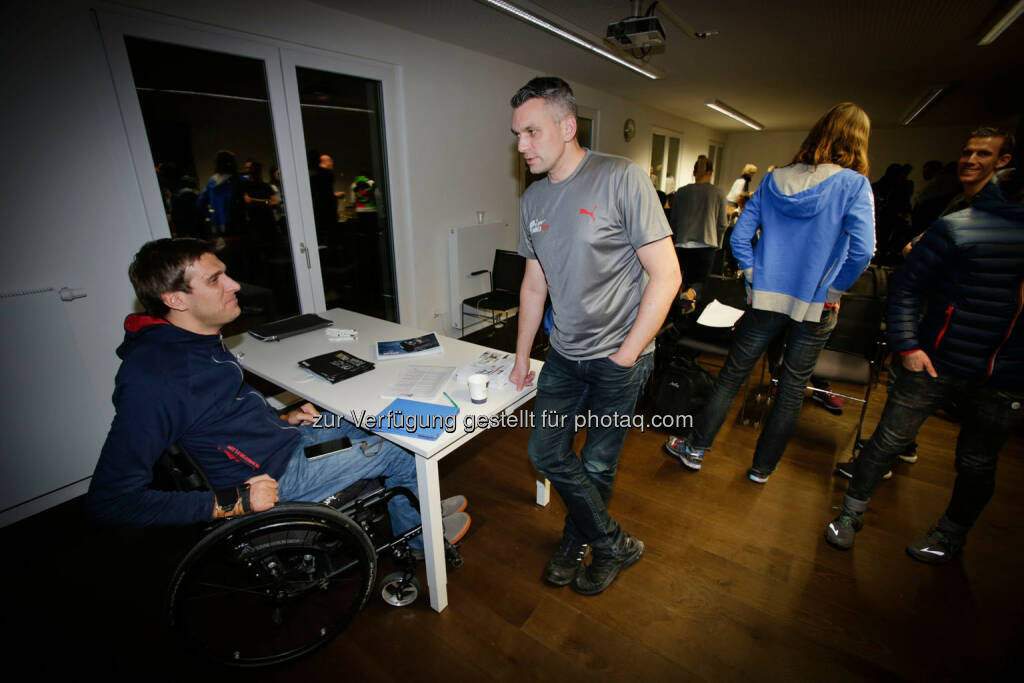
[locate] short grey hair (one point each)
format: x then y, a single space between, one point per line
553 90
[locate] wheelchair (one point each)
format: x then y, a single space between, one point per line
272 586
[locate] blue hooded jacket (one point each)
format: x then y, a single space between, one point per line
814 243
175 386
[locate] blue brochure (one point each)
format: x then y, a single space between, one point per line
416 419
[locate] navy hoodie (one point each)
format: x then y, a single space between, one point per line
175 386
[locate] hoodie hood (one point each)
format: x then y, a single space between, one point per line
141 329
801 191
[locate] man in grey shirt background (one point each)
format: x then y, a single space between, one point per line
595 237
698 222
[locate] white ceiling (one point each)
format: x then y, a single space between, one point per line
781 63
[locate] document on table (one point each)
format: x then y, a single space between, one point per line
717 314
423 382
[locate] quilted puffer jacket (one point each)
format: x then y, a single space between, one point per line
968 271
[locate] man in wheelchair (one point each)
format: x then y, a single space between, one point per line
178 384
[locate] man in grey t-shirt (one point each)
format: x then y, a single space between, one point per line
595 238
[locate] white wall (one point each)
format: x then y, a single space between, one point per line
74 214
911 145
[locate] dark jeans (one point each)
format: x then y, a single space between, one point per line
695 265
988 416
755 331
604 394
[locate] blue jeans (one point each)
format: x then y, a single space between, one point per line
988 416
602 395
316 480
756 330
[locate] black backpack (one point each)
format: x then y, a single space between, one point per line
681 387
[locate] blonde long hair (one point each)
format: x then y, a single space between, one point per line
839 137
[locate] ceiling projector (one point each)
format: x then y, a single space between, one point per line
634 33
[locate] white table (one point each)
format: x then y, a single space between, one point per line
277 362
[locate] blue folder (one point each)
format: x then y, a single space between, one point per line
417 419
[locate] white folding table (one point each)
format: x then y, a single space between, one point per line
277 362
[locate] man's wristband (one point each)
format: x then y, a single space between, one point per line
228 500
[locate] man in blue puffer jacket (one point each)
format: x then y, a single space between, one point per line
969 268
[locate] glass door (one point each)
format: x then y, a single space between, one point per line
207 126
221 118
347 129
343 143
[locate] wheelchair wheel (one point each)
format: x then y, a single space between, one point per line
269 587
399 590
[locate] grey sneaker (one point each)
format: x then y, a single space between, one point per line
686 454
452 505
565 563
454 527
603 570
840 531
759 476
937 547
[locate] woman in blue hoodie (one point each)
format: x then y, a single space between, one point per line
817 234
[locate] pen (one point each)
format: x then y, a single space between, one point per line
450 399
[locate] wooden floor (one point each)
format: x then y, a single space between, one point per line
737 582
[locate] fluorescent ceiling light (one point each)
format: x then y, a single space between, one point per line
929 96
720 106
997 28
572 38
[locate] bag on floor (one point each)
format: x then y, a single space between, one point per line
682 387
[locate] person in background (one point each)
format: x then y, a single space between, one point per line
325 197
816 219
222 197
741 184
986 151
698 222
954 321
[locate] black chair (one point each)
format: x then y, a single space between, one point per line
505 279
854 352
268 587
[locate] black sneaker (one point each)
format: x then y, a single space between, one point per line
937 547
840 531
759 476
565 563
845 469
910 455
602 571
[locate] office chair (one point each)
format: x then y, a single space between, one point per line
506 277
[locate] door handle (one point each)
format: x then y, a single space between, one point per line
303 249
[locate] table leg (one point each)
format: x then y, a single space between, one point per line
433 533
543 492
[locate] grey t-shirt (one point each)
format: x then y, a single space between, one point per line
698 215
585 231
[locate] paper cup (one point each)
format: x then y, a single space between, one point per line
478 388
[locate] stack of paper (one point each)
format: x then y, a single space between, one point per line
423 382
495 364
